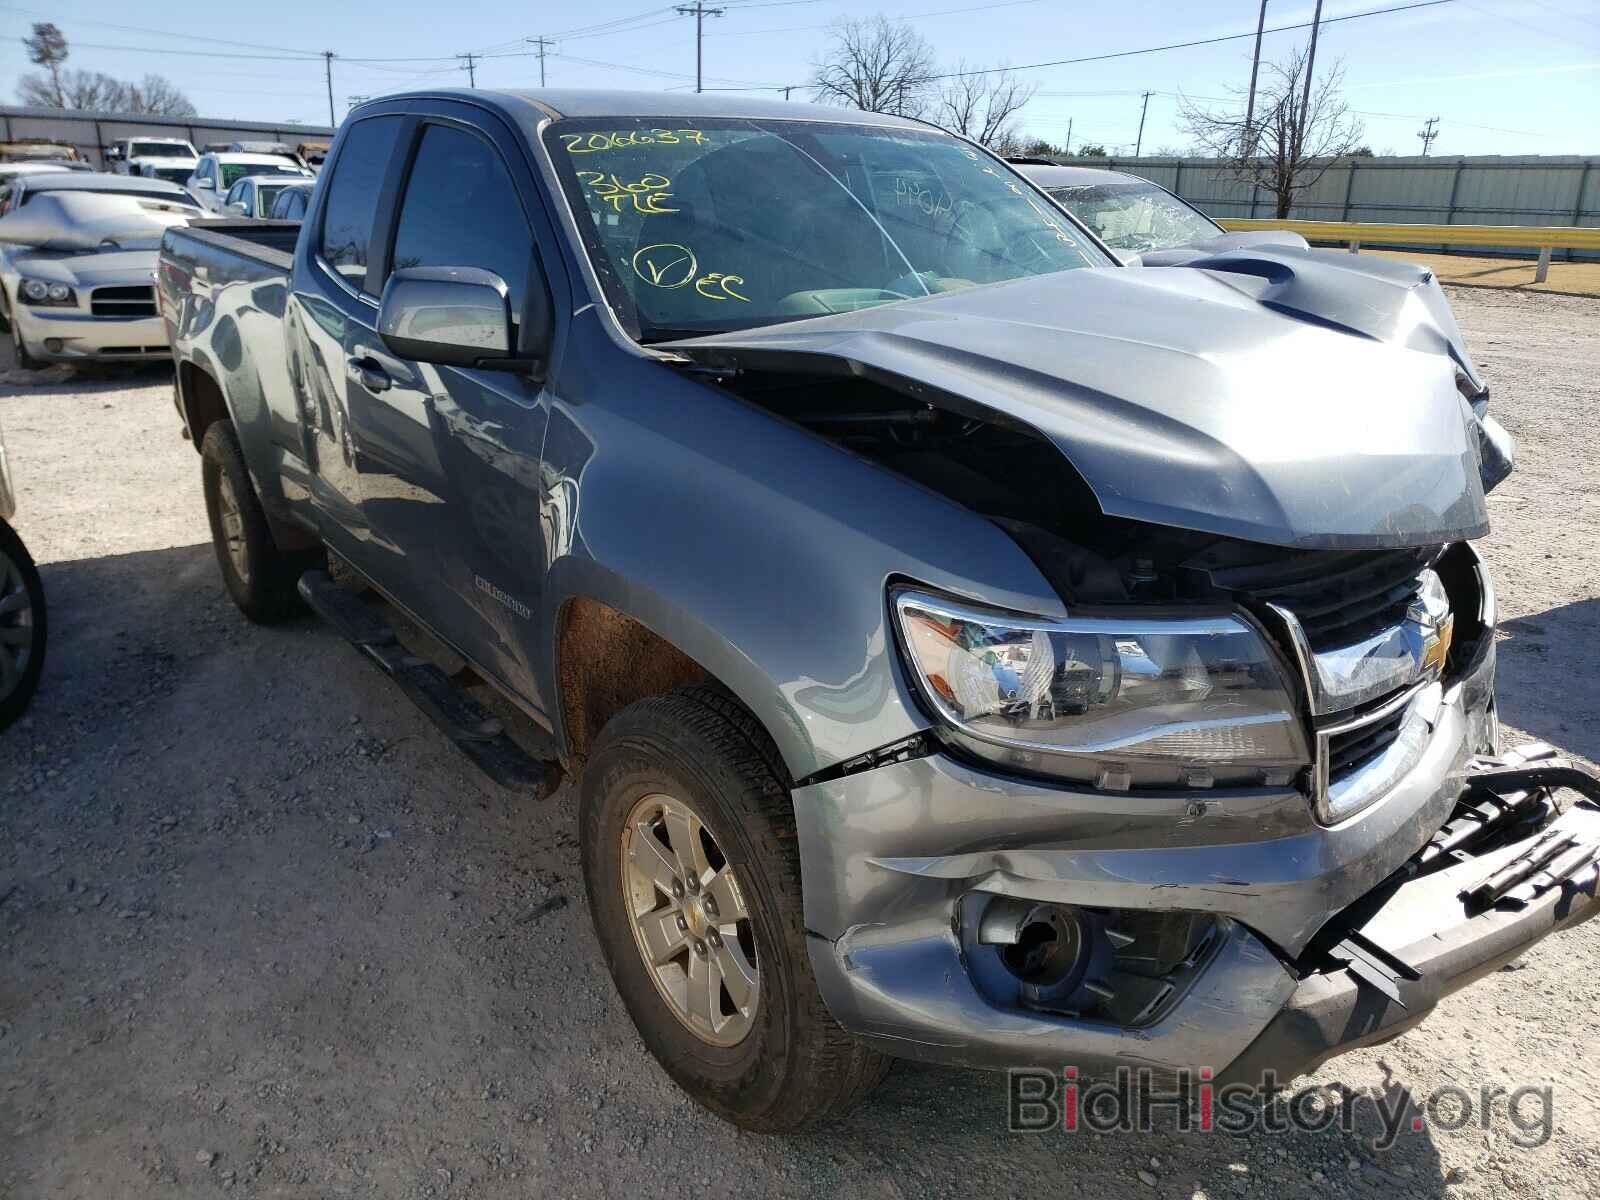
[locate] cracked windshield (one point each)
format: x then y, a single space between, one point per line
731 225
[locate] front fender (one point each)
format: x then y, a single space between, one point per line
755 547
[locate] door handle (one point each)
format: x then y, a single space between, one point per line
369 372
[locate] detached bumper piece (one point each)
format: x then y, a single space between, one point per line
1499 876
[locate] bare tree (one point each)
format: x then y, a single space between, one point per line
47 48
158 96
875 65
983 106
92 90
1288 149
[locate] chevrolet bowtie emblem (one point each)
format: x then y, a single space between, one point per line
1436 636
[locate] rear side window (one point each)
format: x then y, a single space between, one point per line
461 210
353 193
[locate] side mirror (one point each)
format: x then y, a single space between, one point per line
206 184
457 316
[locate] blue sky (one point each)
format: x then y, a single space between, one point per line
1503 76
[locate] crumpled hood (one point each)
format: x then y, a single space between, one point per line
1252 398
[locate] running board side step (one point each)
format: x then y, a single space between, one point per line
469 726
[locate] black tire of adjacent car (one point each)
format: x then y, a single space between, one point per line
265 589
12 704
24 360
797 1068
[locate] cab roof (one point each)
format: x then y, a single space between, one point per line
559 103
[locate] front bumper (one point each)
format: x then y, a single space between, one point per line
69 335
894 856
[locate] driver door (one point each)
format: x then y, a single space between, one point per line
451 454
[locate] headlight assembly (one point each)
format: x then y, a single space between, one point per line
44 293
1117 702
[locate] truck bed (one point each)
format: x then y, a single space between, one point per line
234 248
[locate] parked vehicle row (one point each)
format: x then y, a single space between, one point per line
217 172
968 648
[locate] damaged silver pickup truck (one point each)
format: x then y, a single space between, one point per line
968 649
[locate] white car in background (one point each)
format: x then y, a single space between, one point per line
128 156
215 174
77 265
256 195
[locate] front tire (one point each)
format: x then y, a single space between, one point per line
260 577
693 875
20 350
23 626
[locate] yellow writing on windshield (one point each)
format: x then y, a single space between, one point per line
671 265
646 194
665 264
717 286
594 143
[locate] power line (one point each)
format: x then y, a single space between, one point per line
1212 41
701 12
1427 133
943 12
190 37
744 85
543 43
1144 108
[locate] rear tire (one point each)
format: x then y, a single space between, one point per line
23 626
260 577
696 761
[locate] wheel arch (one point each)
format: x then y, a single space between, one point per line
612 644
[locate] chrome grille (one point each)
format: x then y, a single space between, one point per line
1339 597
1356 747
137 301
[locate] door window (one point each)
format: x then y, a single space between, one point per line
461 210
353 194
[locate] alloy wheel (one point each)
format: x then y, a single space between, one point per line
233 527
690 922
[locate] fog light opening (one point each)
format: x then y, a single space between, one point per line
54 345
1049 947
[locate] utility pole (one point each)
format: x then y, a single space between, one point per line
700 12
1068 153
1143 108
1250 104
327 58
1428 133
542 42
1305 92
786 91
471 68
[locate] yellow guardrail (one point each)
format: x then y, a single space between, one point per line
1542 238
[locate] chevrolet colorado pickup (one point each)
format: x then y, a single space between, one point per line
968 649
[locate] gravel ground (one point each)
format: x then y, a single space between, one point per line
262 930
